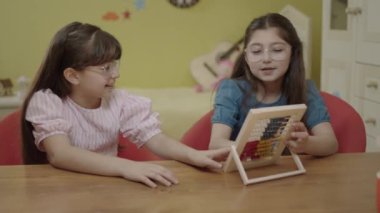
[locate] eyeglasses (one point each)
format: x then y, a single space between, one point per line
106 70
276 52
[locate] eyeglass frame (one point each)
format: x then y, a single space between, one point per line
114 68
269 51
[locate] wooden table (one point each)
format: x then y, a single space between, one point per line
339 183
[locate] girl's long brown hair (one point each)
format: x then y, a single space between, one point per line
294 85
77 46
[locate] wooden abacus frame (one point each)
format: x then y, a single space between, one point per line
256 120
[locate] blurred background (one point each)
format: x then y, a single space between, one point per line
158 39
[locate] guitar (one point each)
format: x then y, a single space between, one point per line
209 69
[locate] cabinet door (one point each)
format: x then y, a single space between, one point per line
368 34
338 47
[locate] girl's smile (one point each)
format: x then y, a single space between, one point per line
268 69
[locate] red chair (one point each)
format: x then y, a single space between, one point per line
130 151
198 136
10 140
348 126
11 148
346 122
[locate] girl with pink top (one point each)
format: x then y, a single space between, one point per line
73 115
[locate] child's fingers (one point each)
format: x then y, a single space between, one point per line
151 174
210 158
211 164
298 126
219 154
160 179
299 135
170 177
294 147
148 182
205 159
163 175
291 144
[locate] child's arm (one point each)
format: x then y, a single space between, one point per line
321 142
220 135
63 155
172 149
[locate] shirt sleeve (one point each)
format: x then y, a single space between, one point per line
316 112
227 102
44 112
137 121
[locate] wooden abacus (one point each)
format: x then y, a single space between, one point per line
260 141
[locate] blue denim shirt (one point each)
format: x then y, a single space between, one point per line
228 107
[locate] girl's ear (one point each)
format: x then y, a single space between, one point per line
71 75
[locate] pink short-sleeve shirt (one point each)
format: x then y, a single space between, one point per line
93 129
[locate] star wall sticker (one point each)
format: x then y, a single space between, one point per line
127 14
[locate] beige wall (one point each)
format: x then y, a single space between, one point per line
158 41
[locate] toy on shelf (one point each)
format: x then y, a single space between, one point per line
6 87
23 86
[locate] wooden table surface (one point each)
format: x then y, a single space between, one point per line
338 183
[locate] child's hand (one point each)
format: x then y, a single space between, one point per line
148 174
299 136
209 158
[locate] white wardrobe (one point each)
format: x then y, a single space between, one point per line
351 59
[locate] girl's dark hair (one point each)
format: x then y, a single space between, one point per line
76 46
294 86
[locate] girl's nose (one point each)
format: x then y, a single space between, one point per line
266 56
115 75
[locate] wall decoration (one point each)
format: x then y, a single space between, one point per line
110 16
209 69
139 4
132 5
183 3
127 14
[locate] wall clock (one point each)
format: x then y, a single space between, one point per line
183 3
